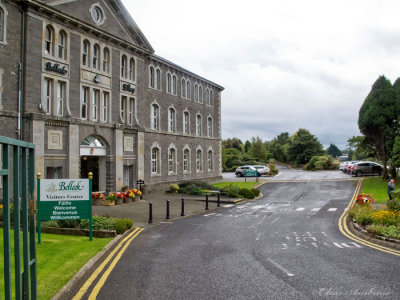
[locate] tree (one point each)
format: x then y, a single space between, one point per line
396 153
247 146
233 143
302 146
333 150
358 149
377 119
258 149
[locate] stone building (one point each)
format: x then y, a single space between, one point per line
81 81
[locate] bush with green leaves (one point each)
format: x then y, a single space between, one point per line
174 188
391 231
68 223
123 225
322 162
362 214
51 223
256 192
246 193
272 169
394 204
194 187
231 191
99 223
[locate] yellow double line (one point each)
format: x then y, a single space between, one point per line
346 232
124 244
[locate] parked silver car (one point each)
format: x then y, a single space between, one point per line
366 167
241 170
262 170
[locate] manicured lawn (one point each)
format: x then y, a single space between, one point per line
59 257
378 187
239 184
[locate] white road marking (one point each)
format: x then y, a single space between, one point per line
300 208
228 205
347 246
338 245
324 233
284 247
275 220
315 245
288 273
258 236
316 209
210 214
332 209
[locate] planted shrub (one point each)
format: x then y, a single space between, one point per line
194 187
123 225
173 188
68 223
394 204
272 169
386 217
322 162
99 223
246 193
51 223
362 214
387 231
231 191
256 192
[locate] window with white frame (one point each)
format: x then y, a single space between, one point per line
105 106
131 111
171 120
151 77
155 117
47 95
211 98
106 60
61 90
155 160
198 125
171 160
95 104
62 44
96 57
49 40
86 53
210 160
186 160
186 122
132 67
199 160
207 96
188 89
209 127
174 85
84 101
3 24
196 92
123 104
200 94
124 66
168 82
183 88
158 79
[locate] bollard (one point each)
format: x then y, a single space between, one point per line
218 199
206 202
150 213
167 217
183 207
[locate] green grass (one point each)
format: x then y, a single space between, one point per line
239 184
59 257
378 187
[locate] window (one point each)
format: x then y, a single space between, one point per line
105 104
158 79
131 112
124 66
97 14
171 160
211 98
62 45
186 160
168 83
199 161
96 54
196 93
198 125
209 127
207 97
49 40
84 102
123 108
210 160
174 88
151 77
95 104
155 115
85 53
171 120
186 122
132 69
200 94
106 60
47 95
54 173
155 161
60 97
188 90
3 14
183 88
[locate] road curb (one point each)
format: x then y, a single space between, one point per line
63 293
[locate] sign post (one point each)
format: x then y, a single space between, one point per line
64 199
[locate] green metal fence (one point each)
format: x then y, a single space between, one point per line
18 171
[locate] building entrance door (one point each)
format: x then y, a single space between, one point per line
91 164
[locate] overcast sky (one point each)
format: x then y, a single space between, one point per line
284 64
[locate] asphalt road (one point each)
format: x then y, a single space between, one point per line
285 245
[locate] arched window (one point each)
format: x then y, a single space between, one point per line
155 117
96 56
174 84
186 122
49 40
151 77
200 94
85 53
106 60
171 160
188 89
196 92
198 125
207 97
211 98
186 160
199 160
132 69
210 160
62 44
158 79
209 127
168 83
183 88
124 66
171 120
155 160
2 25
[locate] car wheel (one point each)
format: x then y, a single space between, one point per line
239 174
358 173
380 172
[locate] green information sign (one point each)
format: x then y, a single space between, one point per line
64 199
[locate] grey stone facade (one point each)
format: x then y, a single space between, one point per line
94 112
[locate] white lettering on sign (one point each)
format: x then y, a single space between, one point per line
64 190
